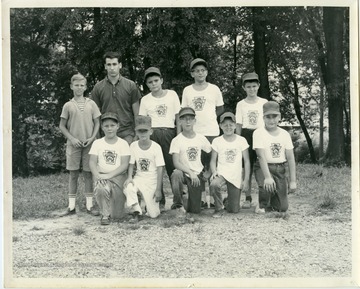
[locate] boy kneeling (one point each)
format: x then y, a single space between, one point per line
109 161
226 166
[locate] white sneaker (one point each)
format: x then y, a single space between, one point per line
259 210
246 205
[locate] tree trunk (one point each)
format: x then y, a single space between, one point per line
333 19
321 130
260 57
235 60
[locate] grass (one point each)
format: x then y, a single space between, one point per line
39 197
79 230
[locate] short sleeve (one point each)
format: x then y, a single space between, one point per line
142 109
159 158
184 98
124 148
288 142
206 146
95 109
238 114
257 144
132 153
219 98
174 146
215 144
135 93
65 111
176 103
244 143
94 148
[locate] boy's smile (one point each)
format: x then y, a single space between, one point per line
228 127
78 87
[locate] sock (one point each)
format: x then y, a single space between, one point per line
72 203
89 202
248 198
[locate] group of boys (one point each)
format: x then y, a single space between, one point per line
140 139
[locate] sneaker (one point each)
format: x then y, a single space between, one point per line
246 204
135 218
259 210
181 210
68 212
218 214
189 218
93 211
105 221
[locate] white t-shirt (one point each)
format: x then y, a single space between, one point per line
229 163
109 155
161 110
250 115
274 146
189 150
146 161
204 103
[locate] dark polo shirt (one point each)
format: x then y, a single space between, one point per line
118 98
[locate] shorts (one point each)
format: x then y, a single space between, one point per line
77 158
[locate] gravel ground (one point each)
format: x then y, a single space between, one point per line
304 243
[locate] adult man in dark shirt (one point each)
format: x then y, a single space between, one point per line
118 94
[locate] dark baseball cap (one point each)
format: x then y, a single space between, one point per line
197 61
109 115
186 111
250 76
228 115
142 122
271 107
152 70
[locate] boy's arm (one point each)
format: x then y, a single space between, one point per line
246 181
118 171
219 110
238 128
269 183
135 108
157 195
177 124
292 169
94 133
213 163
94 168
130 174
178 165
74 141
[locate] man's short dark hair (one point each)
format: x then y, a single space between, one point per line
111 55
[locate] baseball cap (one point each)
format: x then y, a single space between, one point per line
142 122
109 115
250 76
227 115
271 107
186 111
152 70
197 61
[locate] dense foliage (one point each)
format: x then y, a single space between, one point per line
286 46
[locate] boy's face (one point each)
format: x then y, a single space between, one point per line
199 73
154 83
112 67
143 134
228 126
251 88
271 121
78 87
187 122
109 127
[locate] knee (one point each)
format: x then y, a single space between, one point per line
177 176
216 183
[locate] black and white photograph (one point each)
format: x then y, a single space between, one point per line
171 144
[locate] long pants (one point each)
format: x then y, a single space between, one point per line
277 201
248 135
110 197
233 205
178 178
163 136
152 207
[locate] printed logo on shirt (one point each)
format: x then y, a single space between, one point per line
144 165
192 153
253 116
275 150
230 155
110 157
199 102
161 110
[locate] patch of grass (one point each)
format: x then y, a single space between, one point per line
328 202
133 227
79 230
35 228
198 229
168 223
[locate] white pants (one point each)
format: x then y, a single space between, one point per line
147 193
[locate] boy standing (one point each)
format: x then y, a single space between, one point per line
207 101
162 105
274 148
186 152
226 166
79 122
248 118
119 95
147 156
109 161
